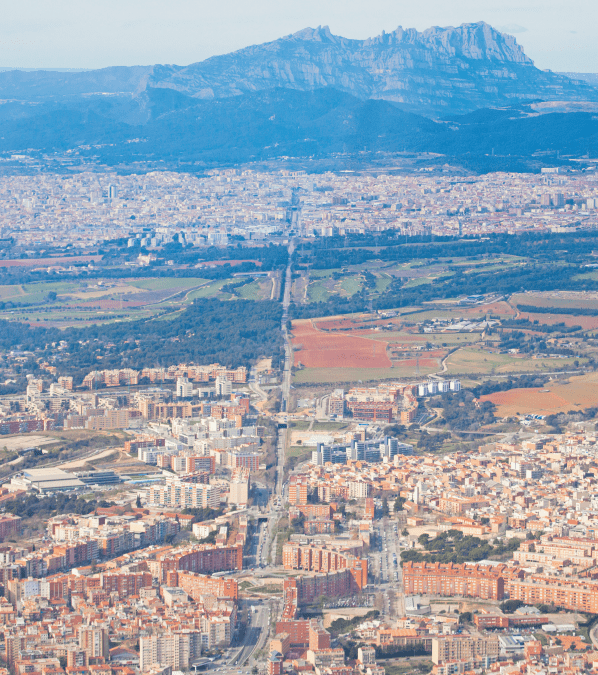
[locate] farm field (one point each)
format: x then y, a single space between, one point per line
349 356
556 299
578 394
585 322
316 349
50 262
410 342
471 360
394 346
347 375
79 303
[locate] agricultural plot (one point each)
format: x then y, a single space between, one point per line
74 303
584 322
557 299
316 349
318 291
343 355
351 375
471 360
167 283
578 393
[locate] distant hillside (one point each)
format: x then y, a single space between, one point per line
284 122
590 78
434 72
466 92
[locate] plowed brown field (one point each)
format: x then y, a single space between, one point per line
355 349
326 350
578 394
586 322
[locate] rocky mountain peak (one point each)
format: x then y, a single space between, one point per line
476 41
433 72
319 34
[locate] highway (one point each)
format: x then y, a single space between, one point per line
287 371
262 549
254 638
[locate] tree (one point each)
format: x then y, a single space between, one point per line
509 606
385 509
404 532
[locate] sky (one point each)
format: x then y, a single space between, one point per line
556 34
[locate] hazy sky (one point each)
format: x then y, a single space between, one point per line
556 34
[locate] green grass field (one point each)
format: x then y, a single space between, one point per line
351 285
333 375
168 283
382 283
329 426
208 291
7 292
256 290
587 275
578 300
317 292
477 361
322 274
298 451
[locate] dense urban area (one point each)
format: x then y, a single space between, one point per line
338 423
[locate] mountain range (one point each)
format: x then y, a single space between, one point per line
469 89
433 72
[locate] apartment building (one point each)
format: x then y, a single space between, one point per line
202 558
180 494
467 580
476 648
578 595
93 641
9 526
198 585
303 589
176 650
297 490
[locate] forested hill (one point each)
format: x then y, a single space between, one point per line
233 333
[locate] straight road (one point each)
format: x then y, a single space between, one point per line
287 371
386 568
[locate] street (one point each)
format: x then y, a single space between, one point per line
385 568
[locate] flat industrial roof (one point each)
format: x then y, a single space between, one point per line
47 474
48 479
57 484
